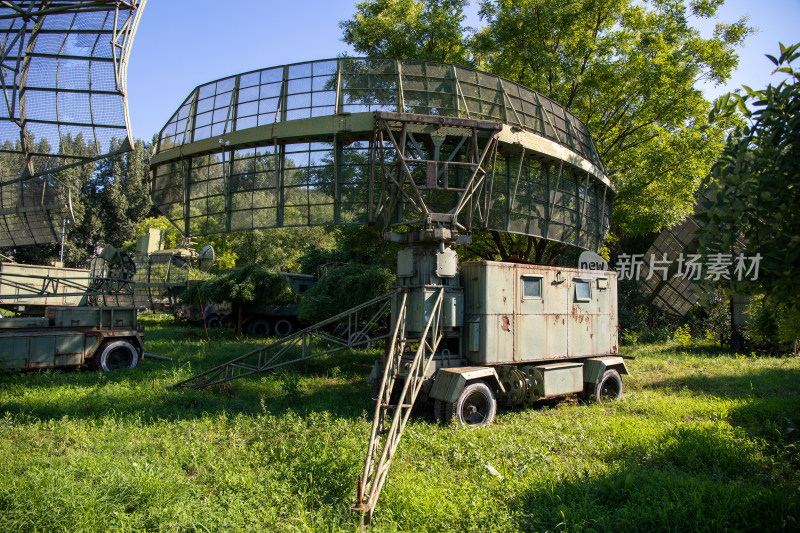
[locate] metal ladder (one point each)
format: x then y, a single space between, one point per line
391 415
313 341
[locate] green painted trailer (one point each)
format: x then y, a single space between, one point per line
108 338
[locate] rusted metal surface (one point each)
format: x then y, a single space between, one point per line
66 336
508 326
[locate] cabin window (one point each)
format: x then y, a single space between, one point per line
531 287
583 290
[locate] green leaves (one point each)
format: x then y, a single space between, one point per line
757 199
409 29
251 283
627 69
342 288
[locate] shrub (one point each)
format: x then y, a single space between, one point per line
683 336
342 288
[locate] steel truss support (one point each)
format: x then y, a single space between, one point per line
391 415
357 328
401 185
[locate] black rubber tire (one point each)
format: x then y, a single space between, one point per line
213 321
258 327
283 327
476 406
115 355
609 388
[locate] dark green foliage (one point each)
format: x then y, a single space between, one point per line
313 258
425 30
344 287
359 244
758 188
251 283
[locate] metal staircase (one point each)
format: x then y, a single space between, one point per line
392 413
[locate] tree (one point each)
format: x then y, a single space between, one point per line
627 69
249 284
409 29
754 211
343 288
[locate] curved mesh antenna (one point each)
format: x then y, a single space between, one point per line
63 68
678 292
368 141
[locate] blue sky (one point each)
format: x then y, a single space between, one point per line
183 43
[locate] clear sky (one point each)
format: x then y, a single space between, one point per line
183 43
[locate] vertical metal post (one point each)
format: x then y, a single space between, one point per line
63 232
401 104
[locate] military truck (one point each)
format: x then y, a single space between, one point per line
261 319
513 333
109 338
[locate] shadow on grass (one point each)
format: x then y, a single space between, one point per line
335 383
756 383
690 479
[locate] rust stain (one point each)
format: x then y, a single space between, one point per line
505 326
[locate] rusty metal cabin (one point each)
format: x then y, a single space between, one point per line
521 313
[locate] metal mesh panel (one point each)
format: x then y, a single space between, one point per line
63 78
678 293
355 85
161 277
299 172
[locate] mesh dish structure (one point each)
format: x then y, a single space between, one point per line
162 277
63 72
365 141
676 293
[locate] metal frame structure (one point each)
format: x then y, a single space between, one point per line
391 415
676 295
108 282
63 71
361 327
309 144
428 151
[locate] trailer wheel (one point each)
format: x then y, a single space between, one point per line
213 321
475 406
362 343
609 388
259 328
116 355
283 328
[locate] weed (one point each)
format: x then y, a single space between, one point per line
703 440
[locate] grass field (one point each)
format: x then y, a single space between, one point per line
701 441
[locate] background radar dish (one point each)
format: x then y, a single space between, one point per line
205 258
63 74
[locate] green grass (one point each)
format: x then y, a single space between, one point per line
702 441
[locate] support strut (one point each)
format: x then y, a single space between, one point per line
391 415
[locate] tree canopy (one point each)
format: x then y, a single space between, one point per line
627 69
342 288
757 182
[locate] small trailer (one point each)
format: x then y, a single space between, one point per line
109 338
515 333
